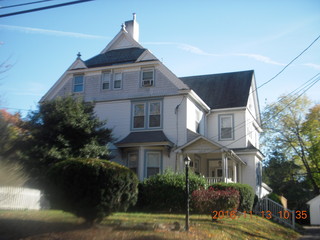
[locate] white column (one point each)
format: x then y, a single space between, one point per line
234 169
240 172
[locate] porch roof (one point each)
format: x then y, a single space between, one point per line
207 146
146 137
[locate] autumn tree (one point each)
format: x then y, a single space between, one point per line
288 130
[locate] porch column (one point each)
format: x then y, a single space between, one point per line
240 173
224 167
141 165
234 169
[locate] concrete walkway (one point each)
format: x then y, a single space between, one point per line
310 233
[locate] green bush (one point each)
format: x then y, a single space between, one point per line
91 188
166 192
246 194
275 197
208 200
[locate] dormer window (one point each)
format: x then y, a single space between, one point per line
106 80
78 83
147 78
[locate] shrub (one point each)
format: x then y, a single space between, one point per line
246 194
166 192
275 197
208 200
91 188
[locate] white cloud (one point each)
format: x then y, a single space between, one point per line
51 32
312 65
259 58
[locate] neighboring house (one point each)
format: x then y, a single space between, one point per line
314 205
159 118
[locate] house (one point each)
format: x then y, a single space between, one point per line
159 118
314 205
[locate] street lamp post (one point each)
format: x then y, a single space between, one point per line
187 161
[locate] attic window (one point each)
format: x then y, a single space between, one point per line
78 83
147 78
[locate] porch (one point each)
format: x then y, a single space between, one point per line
213 161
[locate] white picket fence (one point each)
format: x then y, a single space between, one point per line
15 198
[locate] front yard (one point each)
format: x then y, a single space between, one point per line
54 225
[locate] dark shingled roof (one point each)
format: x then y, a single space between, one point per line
126 55
224 90
145 137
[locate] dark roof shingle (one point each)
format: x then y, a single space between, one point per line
145 137
224 90
126 55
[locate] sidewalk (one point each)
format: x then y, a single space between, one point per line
310 233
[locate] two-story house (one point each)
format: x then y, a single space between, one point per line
159 118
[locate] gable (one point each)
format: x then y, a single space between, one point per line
224 90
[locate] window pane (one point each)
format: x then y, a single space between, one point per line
153 163
105 85
118 76
225 122
154 121
106 77
147 75
78 80
226 133
138 116
155 108
138 122
117 84
78 88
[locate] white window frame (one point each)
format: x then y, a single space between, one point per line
221 117
148 82
145 115
74 85
103 80
149 114
115 80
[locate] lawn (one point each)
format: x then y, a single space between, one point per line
58 225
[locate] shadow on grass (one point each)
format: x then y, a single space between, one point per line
12 229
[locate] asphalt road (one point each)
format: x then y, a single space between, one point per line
310 233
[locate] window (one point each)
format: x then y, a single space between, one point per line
146 115
147 78
139 115
153 160
106 79
154 114
78 83
133 161
117 83
226 127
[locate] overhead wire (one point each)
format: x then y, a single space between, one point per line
24 4
44 8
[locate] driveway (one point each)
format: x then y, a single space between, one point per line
310 233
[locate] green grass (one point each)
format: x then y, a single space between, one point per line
52 225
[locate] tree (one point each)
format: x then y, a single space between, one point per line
286 131
60 129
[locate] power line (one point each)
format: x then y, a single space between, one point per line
23 4
288 64
44 8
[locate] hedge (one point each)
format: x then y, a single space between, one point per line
246 194
207 201
166 192
91 188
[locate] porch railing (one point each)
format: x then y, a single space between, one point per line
211 180
268 208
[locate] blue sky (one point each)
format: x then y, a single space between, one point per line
190 37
